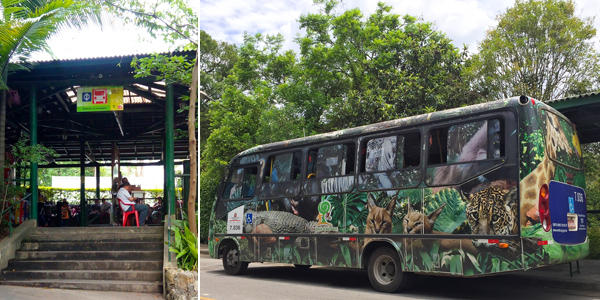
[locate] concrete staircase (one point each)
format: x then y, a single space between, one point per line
127 259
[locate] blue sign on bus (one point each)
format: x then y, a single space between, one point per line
568 213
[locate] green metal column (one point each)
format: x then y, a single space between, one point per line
34 166
98 181
82 202
170 150
186 181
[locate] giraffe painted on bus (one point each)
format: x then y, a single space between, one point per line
556 140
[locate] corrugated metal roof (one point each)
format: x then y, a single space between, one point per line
573 97
111 56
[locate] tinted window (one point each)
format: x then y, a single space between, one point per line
241 183
568 149
467 142
283 167
331 161
391 153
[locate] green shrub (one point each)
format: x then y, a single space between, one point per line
72 194
185 244
594 236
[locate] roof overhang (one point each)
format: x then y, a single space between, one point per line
584 112
138 131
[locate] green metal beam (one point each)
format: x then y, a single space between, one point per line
169 150
33 140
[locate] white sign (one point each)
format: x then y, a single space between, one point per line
235 220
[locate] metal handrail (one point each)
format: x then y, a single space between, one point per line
9 219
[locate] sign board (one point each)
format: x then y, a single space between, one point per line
568 213
99 98
234 220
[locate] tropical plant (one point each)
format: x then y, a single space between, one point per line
185 245
25 27
453 214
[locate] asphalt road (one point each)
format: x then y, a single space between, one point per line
279 281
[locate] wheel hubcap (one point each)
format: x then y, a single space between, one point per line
232 258
385 270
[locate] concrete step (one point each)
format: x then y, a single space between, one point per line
91 246
104 237
82 274
116 265
97 230
89 255
97 285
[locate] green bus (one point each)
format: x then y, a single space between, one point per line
473 191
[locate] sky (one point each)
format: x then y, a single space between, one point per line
463 21
113 38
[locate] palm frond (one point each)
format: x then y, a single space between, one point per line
29 24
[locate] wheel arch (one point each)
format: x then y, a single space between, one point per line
376 244
224 243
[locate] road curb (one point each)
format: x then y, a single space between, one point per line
570 284
204 249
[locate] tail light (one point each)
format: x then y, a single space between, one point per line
544 207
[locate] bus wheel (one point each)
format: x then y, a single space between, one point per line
385 271
302 267
231 260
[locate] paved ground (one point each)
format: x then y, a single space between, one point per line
8 292
556 277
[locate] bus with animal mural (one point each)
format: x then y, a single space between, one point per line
473 191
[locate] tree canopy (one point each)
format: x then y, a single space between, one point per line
354 70
539 48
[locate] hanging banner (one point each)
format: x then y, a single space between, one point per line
99 98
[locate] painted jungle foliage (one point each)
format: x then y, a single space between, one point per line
455 192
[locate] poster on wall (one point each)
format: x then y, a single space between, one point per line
99 98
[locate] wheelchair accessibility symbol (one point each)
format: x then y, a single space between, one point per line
571 205
248 218
86 97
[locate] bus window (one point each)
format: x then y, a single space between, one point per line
381 154
281 176
389 162
438 151
283 167
334 161
241 183
412 150
330 170
568 150
391 153
472 141
468 149
463 137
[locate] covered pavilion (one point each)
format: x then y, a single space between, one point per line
144 132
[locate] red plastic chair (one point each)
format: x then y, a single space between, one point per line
126 214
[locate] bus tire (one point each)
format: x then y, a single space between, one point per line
302 267
385 271
231 260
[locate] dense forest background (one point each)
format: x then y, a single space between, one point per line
354 70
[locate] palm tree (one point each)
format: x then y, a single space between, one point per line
25 28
